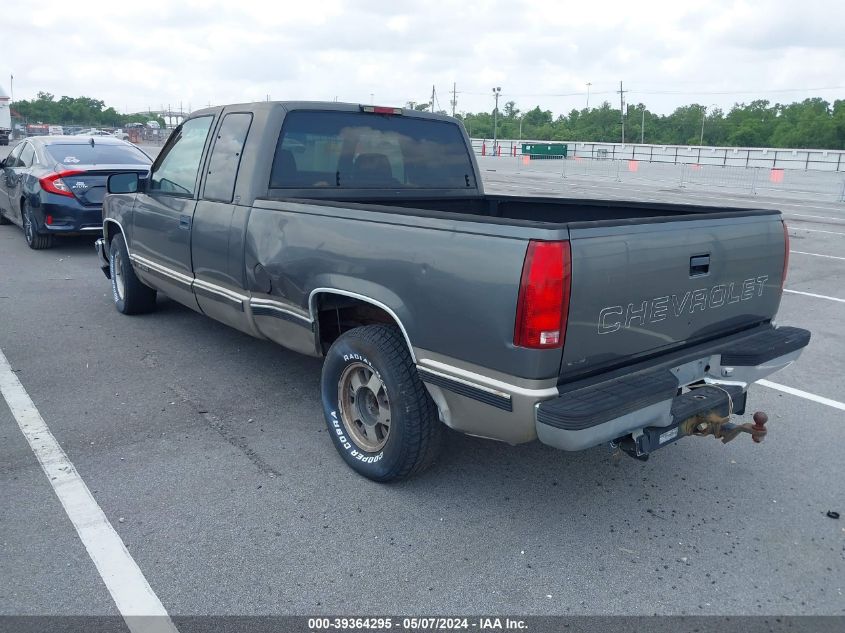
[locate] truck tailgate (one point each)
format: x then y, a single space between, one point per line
647 287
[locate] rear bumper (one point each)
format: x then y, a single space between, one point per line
67 216
601 408
650 398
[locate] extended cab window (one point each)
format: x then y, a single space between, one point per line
175 172
351 150
226 156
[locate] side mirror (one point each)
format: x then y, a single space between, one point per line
2 163
123 183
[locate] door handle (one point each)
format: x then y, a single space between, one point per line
699 265
185 221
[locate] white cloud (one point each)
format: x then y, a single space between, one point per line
150 54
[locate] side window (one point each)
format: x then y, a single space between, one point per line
226 157
27 156
176 170
14 156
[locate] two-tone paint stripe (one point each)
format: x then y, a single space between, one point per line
259 307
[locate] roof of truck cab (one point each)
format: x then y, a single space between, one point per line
335 106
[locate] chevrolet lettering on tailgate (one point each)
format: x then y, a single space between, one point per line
614 318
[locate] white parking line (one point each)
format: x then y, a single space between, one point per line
818 255
792 227
806 215
123 578
803 394
811 294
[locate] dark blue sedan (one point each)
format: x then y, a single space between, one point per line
54 185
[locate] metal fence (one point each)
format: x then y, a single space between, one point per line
747 157
778 182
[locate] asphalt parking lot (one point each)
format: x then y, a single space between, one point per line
207 452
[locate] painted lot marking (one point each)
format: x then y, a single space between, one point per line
811 294
818 255
799 228
132 594
803 394
806 215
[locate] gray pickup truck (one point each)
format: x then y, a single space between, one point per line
362 235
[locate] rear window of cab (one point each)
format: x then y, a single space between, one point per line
352 150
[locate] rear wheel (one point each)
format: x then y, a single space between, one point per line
380 417
30 230
131 295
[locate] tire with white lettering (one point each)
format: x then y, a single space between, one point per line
380 417
131 296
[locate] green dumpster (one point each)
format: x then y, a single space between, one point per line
544 150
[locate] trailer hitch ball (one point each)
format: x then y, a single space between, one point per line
759 426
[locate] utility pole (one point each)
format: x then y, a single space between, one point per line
12 88
496 92
431 109
703 113
622 109
588 94
642 129
454 97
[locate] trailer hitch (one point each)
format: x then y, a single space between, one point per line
721 428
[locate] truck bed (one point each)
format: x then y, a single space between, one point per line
522 210
647 278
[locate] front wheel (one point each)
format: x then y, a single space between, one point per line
380 417
131 296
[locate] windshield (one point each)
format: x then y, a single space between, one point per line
85 154
351 150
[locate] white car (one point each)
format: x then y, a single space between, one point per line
123 136
92 132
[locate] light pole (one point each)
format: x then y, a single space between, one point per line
642 130
496 92
703 113
588 94
520 126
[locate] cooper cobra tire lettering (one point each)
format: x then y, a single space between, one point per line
412 424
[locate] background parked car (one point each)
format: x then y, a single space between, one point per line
92 132
54 185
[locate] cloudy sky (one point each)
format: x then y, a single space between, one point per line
150 54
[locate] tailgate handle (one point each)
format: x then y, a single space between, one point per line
699 265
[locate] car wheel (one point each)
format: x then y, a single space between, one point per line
30 230
380 417
4 219
131 295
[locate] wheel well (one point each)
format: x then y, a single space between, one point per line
337 314
112 229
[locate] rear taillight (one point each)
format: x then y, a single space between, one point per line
785 256
543 305
54 183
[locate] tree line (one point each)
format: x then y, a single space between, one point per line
812 124
84 111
